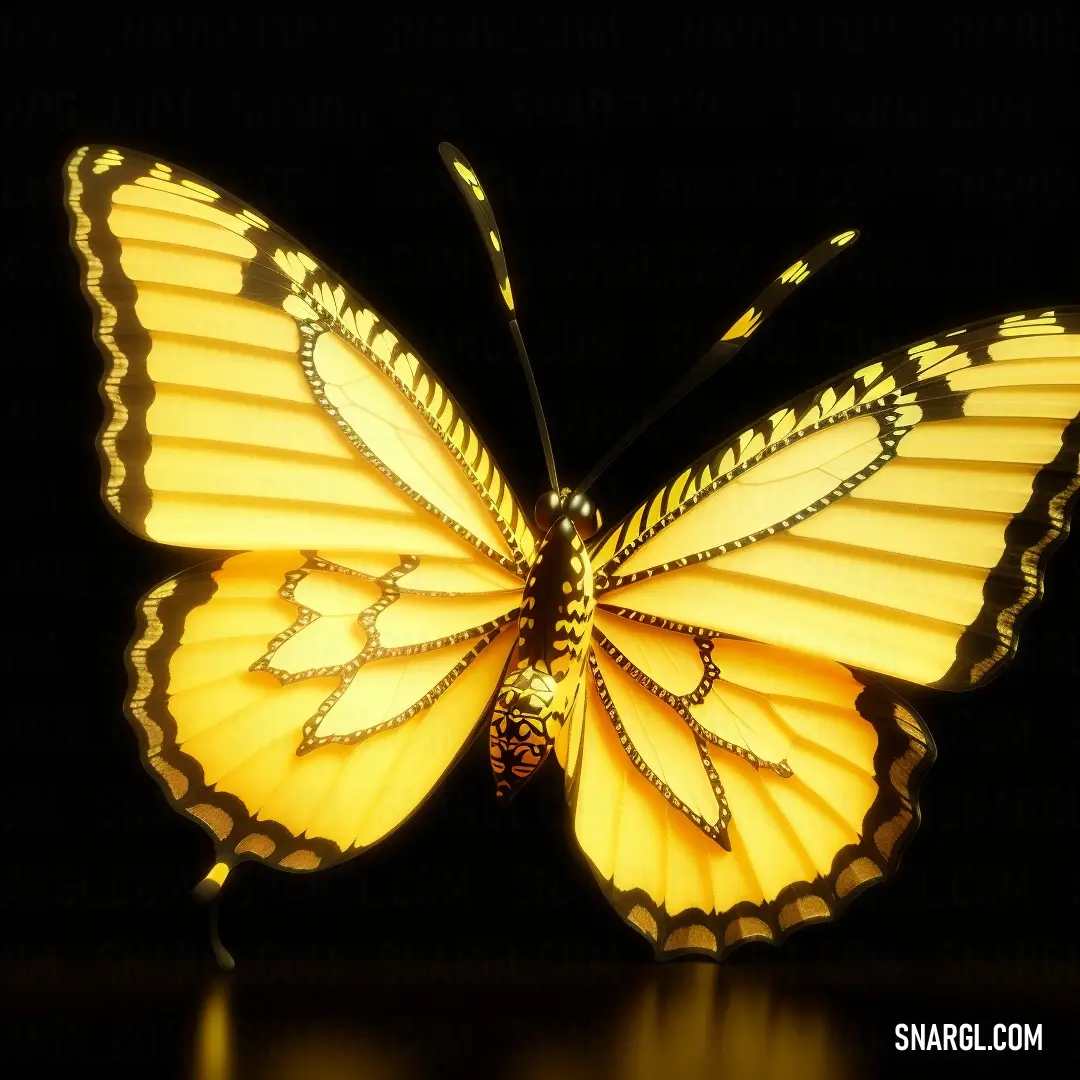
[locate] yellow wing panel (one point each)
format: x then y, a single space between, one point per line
287 765
725 690
800 843
774 490
915 562
238 373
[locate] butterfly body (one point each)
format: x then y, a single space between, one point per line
548 659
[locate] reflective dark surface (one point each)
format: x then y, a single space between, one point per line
318 1019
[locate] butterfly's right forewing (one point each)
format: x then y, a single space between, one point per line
898 520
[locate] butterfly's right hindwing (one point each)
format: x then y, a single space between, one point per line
738 791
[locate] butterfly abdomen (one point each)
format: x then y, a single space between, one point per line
546 665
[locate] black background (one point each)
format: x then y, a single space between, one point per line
648 180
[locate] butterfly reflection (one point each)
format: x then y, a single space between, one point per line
696 1021
298 1052
691 1021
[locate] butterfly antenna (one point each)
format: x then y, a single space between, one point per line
464 176
208 892
729 344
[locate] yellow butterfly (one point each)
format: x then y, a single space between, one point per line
698 669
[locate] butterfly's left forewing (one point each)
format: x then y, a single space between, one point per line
238 372
896 521
302 699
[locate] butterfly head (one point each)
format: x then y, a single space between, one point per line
575 507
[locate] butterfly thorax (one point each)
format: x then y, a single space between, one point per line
544 672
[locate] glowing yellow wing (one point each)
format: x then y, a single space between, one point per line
252 400
736 791
283 701
898 520
731 777
301 700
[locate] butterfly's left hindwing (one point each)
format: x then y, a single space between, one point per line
897 521
300 700
272 711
